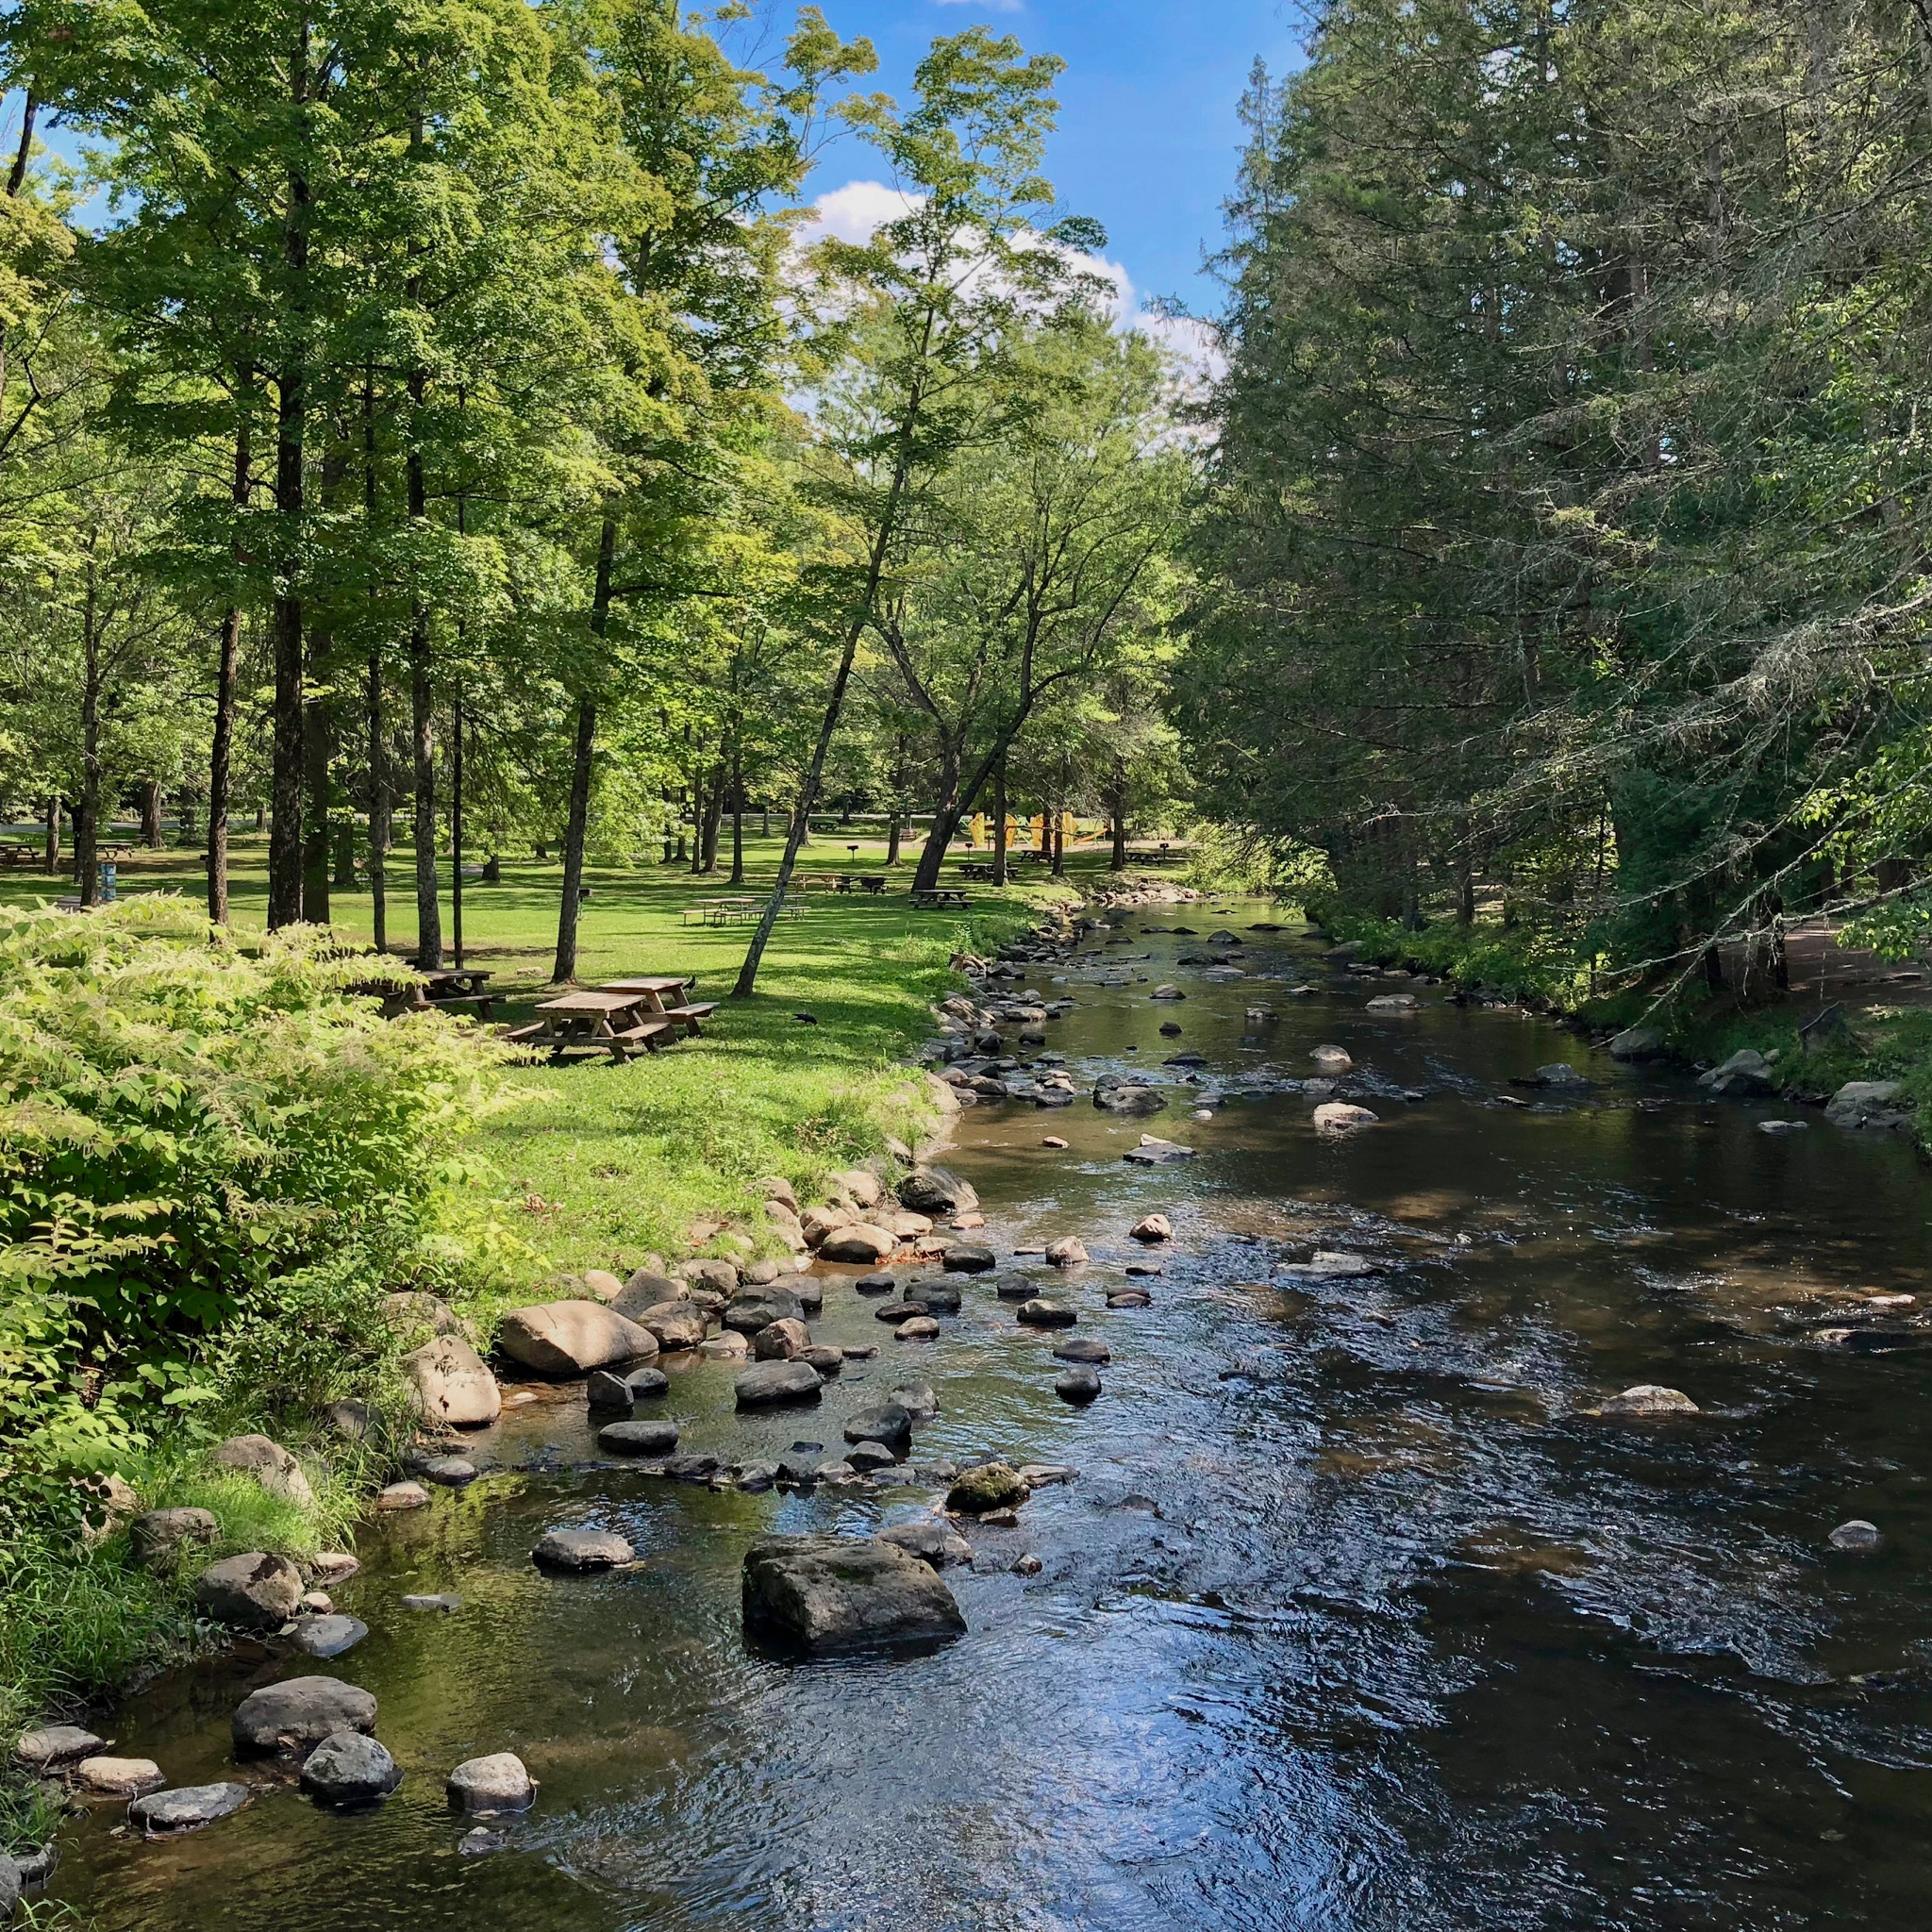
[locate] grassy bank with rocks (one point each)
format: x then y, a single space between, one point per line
237 1199
1772 1049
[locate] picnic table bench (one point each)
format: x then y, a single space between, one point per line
927 897
666 998
21 853
873 882
445 987
596 1021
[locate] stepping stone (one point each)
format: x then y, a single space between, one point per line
638 1439
53 1747
1083 1348
497 1783
119 1777
452 1472
581 1550
1040 1313
1077 1386
328 1636
772 1382
1129 1298
186 1808
348 1769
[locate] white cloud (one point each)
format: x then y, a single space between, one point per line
853 211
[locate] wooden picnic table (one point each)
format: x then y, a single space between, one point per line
599 1021
21 854
667 999
873 882
419 991
927 897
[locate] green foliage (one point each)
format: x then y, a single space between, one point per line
184 1128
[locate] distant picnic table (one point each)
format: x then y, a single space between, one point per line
926 898
443 987
736 909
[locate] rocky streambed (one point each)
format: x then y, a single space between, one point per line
1497 1502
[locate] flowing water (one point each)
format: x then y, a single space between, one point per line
1354 1617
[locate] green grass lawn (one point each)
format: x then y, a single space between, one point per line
602 1164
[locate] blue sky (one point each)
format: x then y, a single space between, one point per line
1148 137
1148 141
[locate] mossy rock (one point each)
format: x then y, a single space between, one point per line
991 1486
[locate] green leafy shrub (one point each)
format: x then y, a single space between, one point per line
186 1127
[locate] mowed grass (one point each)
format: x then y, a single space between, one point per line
602 1164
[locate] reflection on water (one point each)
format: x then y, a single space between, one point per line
1354 1618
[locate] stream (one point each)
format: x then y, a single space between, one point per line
1351 1616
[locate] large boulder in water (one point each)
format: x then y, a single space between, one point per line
675 1325
573 1338
823 1594
1648 1399
453 1383
1747 1072
890 1423
349 1769
301 1711
1338 1117
861 1242
1129 1097
936 1191
774 1382
1871 1104
186 1808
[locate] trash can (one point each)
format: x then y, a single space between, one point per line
108 869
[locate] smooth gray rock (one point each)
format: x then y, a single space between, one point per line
936 1191
889 1422
646 1289
254 1592
867 1456
932 1542
572 1338
451 1471
638 1439
748 1313
581 1549
53 1747
604 1390
1080 1385
824 1595
1747 1072
1869 1104
186 1808
349 1769
1560 1073
157 1538
1638 1043
772 1382
10 1886
969 1257
645 1383
880 1283
942 1297
1648 1398
300 1711
917 1399
1016 1287
1083 1348
328 1636
496 1783
453 1383
1857 1537
1129 1099
1040 1313
675 1325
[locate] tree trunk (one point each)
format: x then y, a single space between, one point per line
221 754
341 845
284 834
151 814
1117 808
999 822
316 791
379 806
86 821
1058 836
712 820
455 833
564 970
51 858
423 738
892 839
737 816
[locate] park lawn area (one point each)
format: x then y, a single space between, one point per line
599 1164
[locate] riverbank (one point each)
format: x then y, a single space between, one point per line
594 1167
1871 1031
